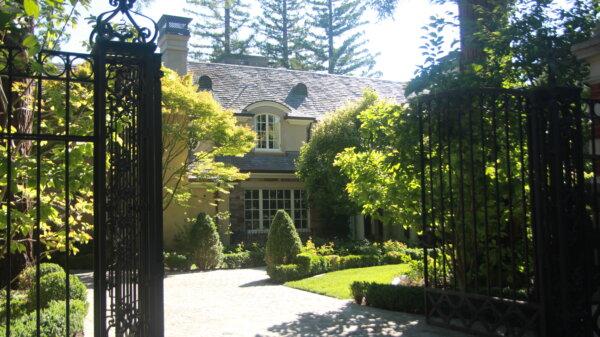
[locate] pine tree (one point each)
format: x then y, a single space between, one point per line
336 44
219 23
282 32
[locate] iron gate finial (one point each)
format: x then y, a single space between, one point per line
127 30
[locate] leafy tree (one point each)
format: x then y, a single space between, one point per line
336 45
196 129
283 34
383 171
283 242
325 184
220 24
200 242
515 43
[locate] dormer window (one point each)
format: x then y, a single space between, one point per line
268 130
205 83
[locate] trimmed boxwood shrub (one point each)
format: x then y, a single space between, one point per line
390 297
200 242
53 321
359 261
394 257
26 279
53 288
283 242
285 272
177 262
236 260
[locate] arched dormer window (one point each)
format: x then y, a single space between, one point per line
205 83
268 130
300 89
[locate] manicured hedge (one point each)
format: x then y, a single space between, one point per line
53 288
53 321
284 272
310 264
27 277
391 297
177 262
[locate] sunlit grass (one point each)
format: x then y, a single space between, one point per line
337 283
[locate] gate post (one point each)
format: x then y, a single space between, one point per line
128 266
560 220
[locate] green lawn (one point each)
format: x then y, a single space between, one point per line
337 283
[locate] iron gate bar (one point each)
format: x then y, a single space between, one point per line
531 147
34 136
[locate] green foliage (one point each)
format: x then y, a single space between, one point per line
390 297
191 118
53 320
325 184
518 43
199 241
52 182
383 175
37 24
395 258
53 288
27 277
220 24
282 33
18 303
336 43
283 242
177 262
284 272
236 260
359 261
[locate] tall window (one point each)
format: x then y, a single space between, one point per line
261 206
268 131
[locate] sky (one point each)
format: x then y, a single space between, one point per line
396 40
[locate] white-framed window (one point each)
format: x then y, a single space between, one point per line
261 205
268 130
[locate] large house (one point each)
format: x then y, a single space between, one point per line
282 106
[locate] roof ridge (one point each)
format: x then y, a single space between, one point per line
297 71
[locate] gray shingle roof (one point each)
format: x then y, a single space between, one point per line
237 86
255 162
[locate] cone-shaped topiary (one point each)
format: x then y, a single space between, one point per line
200 242
283 242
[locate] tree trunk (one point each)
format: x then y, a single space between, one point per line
227 37
331 67
471 48
286 48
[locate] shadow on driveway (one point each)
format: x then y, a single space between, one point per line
354 320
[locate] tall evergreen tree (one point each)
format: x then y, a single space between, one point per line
336 44
282 33
219 24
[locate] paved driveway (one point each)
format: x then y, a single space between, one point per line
243 303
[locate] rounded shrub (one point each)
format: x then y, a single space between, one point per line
27 277
176 262
200 242
283 242
53 288
53 320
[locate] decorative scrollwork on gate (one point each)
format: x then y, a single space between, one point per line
124 234
125 30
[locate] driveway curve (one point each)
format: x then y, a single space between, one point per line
243 303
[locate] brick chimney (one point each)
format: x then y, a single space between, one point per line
173 37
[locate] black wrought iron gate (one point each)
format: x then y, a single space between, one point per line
510 211
76 130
